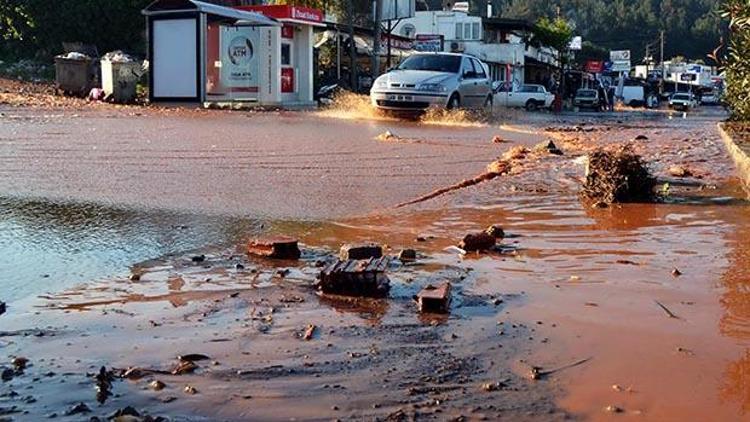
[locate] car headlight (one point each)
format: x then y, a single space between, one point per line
381 83
432 88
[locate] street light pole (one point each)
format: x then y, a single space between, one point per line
377 6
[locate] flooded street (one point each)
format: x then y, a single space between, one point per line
122 244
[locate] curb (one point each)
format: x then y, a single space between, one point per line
739 156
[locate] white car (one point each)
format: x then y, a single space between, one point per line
682 101
530 97
434 80
710 98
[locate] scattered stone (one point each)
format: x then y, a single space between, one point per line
7 374
495 231
476 242
193 357
2 308
198 258
434 299
387 136
279 247
680 171
20 363
156 385
78 409
498 140
613 409
676 272
641 138
103 384
548 147
355 278
189 389
133 373
407 255
134 277
184 367
309 332
518 152
492 386
125 411
498 167
360 251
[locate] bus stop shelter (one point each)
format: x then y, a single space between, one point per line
205 53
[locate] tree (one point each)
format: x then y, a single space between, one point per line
555 33
737 65
36 28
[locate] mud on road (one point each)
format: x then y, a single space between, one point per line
574 284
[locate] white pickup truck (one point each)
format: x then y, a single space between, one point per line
531 97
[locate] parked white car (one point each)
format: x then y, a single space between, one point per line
441 80
710 98
682 101
530 97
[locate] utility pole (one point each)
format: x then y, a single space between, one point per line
377 12
661 62
352 46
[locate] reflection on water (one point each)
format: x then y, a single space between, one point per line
736 386
46 246
735 322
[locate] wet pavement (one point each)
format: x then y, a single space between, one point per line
588 296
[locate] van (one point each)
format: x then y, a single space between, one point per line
633 96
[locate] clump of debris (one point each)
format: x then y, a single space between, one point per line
618 175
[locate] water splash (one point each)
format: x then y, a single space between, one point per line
348 105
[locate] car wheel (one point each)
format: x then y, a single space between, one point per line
531 105
454 102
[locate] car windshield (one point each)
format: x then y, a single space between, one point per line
681 97
432 62
586 93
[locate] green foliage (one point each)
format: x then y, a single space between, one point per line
692 27
555 33
737 94
35 29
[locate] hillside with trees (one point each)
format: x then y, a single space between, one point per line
692 27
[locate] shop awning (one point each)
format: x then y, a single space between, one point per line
165 7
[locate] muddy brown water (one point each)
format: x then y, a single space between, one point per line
573 284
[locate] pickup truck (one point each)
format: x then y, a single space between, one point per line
531 97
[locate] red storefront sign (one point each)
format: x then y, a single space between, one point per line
594 66
287 80
287 32
285 12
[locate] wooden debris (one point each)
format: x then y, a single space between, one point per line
666 310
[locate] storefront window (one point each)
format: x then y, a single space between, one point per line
459 31
475 31
286 54
467 31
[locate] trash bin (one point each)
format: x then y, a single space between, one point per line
120 79
75 76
